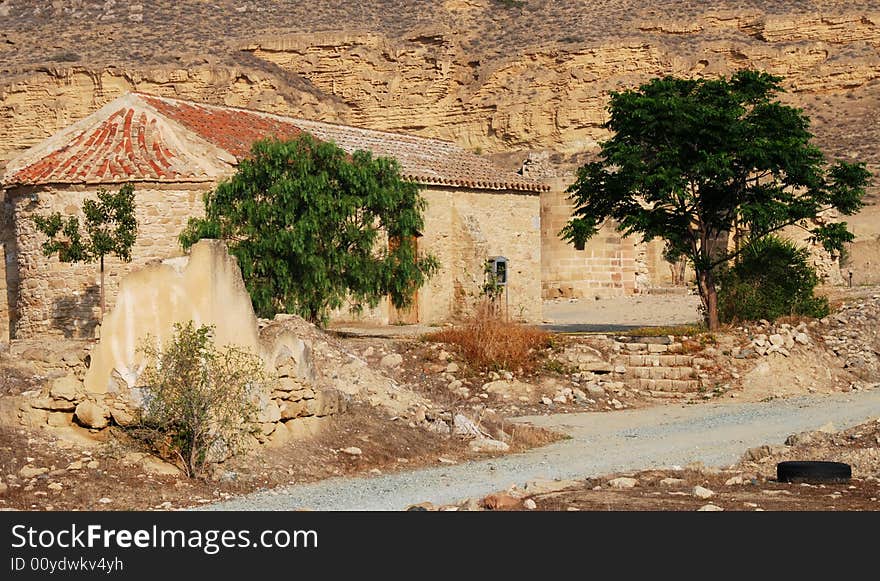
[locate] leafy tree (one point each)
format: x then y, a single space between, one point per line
304 220
691 160
110 228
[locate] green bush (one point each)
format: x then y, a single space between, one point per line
772 278
199 401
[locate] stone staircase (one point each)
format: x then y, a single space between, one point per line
658 365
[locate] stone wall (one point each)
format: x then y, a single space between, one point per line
463 229
53 298
609 264
863 254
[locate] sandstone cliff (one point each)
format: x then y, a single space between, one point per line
500 77
491 75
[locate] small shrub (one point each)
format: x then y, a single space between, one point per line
198 400
488 341
560 367
773 278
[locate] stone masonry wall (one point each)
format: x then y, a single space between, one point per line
463 229
54 298
608 265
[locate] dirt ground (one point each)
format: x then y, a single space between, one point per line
69 470
749 485
109 476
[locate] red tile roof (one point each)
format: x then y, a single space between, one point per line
147 138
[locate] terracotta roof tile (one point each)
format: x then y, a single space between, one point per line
147 138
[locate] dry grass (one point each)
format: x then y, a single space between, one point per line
487 341
677 331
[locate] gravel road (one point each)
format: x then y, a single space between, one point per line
714 433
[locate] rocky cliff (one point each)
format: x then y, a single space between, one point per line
501 77
492 75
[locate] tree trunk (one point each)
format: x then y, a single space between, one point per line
102 289
709 296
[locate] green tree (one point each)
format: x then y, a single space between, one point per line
692 160
110 228
304 219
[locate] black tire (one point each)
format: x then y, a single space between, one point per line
813 471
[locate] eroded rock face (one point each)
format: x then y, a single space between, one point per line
495 79
479 75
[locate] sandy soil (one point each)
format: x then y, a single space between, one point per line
647 310
79 472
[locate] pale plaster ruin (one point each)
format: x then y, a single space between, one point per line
206 288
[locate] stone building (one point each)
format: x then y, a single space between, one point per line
173 151
609 264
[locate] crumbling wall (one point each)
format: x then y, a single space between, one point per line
206 288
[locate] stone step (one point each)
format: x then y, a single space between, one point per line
676 385
636 348
660 372
654 360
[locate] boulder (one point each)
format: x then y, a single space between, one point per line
488 445
59 419
287 384
303 428
92 415
158 467
623 482
326 402
701 492
710 508
32 471
67 388
391 360
290 355
293 409
464 426
53 405
503 387
500 501
123 417
268 412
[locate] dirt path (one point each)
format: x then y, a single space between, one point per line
638 310
713 433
